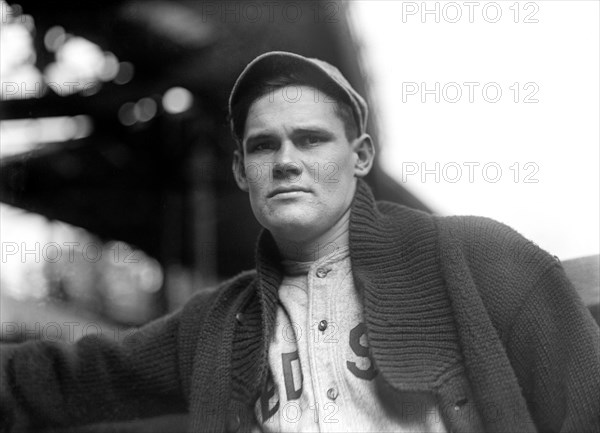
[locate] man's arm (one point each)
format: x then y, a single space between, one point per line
554 348
94 379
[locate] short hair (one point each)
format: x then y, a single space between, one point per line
239 112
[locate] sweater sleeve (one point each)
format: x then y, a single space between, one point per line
94 379
554 345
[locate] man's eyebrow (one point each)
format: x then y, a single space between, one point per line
311 129
259 137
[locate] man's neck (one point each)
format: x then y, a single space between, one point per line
336 237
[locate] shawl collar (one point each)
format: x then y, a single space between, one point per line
395 265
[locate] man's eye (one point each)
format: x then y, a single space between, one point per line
312 139
263 146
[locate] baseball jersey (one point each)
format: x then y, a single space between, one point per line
321 374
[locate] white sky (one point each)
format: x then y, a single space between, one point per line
559 135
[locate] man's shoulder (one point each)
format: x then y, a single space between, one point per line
471 230
503 264
463 226
488 241
483 241
474 228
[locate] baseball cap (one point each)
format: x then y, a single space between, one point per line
276 63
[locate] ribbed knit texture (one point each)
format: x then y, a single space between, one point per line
461 306
396 268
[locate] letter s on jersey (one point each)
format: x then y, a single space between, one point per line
363 351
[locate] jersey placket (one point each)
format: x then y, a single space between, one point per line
321 352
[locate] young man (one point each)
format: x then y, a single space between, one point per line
359 316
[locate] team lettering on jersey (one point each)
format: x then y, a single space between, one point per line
293 383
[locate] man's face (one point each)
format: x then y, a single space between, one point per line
298 165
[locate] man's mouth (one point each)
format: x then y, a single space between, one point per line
287 190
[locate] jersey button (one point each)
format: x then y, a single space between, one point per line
321 273
322 325
332 393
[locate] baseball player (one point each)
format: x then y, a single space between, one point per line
359 316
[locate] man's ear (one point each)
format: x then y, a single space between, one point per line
365 152
239 172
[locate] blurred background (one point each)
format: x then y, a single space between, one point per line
117 199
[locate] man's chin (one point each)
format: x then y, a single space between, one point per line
293 229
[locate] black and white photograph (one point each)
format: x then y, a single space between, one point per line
299 216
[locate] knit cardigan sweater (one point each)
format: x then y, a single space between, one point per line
463 307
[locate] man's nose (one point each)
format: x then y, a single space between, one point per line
287 162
